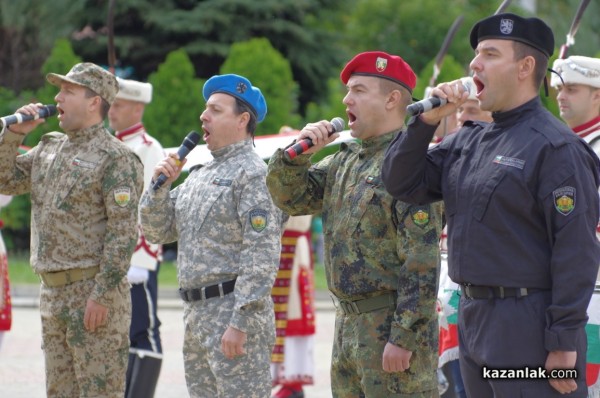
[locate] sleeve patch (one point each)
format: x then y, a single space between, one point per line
122 196
420 216
258 219
564 200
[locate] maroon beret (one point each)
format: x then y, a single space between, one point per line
380 64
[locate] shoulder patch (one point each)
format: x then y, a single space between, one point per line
420 215
564 200
258 219
122 196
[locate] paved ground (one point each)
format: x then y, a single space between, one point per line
21 358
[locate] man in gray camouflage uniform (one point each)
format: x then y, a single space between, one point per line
381 255
84 187
229 240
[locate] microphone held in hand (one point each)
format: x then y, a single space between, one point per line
189 143
43 112
303 145
430 103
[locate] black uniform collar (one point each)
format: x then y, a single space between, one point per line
509 118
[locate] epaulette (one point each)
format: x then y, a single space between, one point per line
196 167
554 132
54 135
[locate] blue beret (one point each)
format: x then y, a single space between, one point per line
531 31
239 87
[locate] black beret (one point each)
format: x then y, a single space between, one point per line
531 31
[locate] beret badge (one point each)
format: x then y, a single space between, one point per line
241 87
506 26
381 64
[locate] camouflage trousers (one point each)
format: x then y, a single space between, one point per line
80 363
356 366
208 373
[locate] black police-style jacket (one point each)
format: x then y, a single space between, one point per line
521 198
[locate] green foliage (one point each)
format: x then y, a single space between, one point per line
145 31
450 70
176 100
273 75
61 59
330 106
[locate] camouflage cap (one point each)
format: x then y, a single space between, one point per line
89 75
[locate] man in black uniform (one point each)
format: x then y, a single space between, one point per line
521 206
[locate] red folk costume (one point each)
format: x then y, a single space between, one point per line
293 296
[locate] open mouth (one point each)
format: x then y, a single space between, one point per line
351 117
478 84
206 133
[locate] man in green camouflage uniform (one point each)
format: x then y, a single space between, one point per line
381 255
84 185
229 240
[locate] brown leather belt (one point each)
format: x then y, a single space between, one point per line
206 292
385 300
66 277
490 292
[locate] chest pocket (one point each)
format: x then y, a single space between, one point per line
77 184
200 201
369 210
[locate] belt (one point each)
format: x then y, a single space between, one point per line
206 292
66 277
490 292
385 300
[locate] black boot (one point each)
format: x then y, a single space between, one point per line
142 375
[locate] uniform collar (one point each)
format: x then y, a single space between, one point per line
130 132
588 128
233 149
85 134
510 118
373 145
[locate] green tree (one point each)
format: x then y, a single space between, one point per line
273 75
176 100
450 70
306 32
60 60
28 30
331 106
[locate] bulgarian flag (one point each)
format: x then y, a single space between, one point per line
447 307
593 352
23 149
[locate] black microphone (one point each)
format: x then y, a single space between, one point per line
43 112
301 146
432 102
189 143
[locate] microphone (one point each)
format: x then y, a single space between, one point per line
432 102
189 143
43 112
301 146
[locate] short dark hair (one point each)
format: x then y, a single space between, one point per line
386 86
523 50
241 107
89 93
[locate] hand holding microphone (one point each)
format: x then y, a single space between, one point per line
337 123
455 92
189 143
27 113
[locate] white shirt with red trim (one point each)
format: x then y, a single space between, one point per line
150 152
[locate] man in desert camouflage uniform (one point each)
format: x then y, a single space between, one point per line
381 255
85 187
229 240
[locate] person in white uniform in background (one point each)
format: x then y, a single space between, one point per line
145 352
